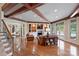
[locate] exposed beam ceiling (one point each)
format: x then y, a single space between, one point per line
8 7
76 11
36 11
25 7
55 12
18 11
13 9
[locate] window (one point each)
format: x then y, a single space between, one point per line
57 29
73 29
60 28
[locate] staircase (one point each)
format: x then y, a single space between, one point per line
5 45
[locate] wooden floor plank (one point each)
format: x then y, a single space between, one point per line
62 49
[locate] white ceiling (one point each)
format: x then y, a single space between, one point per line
30 16
56 11
52 11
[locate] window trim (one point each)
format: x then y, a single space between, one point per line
74 38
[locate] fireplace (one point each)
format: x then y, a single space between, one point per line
39 32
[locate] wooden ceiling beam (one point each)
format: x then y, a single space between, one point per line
36 12
18 11
32 6
66 18
75 10
7 6
23 9
36 5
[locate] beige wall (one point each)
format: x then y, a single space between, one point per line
66 30
78 30
54 28
18 23
26 28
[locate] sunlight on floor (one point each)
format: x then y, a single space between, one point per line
73 50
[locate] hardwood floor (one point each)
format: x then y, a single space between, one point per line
62 49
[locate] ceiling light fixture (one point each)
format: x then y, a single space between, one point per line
55 10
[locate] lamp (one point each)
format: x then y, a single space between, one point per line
33 25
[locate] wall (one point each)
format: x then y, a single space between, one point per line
19 25
66 30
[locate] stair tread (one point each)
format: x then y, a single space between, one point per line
2 53
5 44
10 54
7 49
2 37
4 40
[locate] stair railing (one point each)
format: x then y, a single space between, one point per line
9 35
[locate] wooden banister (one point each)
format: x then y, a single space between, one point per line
9 34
